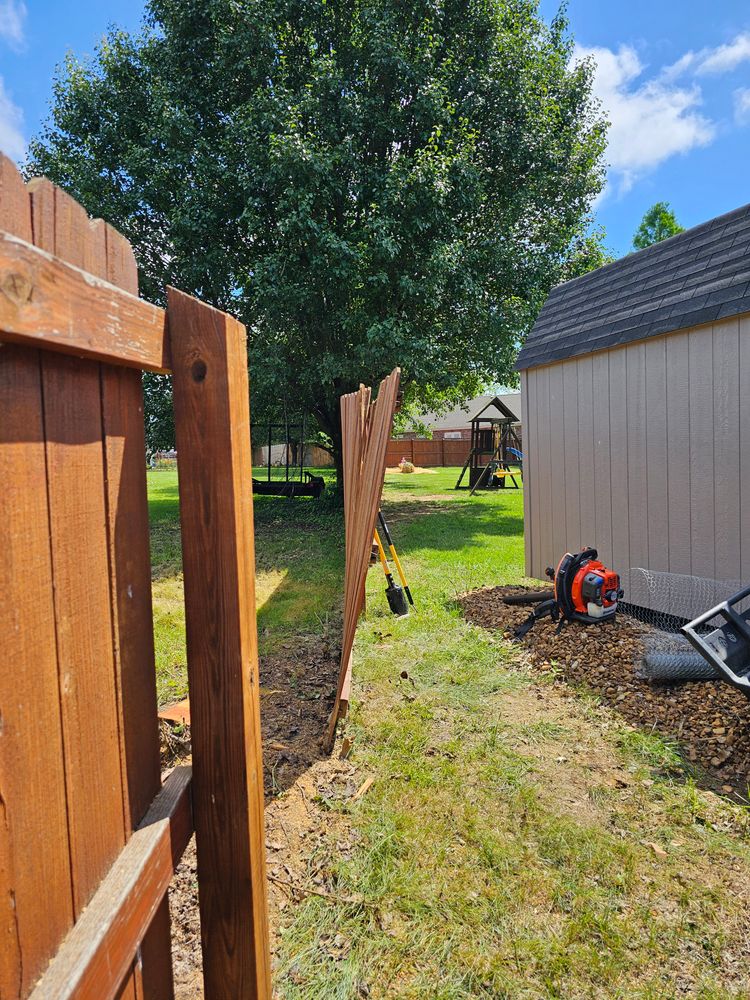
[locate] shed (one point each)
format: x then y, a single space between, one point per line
636 415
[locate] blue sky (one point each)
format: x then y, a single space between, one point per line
673 75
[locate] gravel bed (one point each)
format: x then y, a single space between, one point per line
709 720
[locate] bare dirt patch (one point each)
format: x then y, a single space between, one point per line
302 835
710 720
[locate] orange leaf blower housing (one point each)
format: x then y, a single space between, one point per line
585 589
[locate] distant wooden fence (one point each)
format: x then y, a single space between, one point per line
428 454
88 836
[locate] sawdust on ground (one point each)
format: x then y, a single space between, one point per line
396 469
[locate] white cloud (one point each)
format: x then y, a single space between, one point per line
742 106
651 120
12 22
12 142
726 57
721 59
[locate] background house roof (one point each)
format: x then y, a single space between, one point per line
699 276
460 417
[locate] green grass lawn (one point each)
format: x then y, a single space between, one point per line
299 573
515 843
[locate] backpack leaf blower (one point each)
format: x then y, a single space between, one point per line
585 590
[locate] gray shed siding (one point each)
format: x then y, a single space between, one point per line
643 451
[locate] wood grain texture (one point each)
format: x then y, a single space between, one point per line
213 440
366 428
15 209
48 302
36 905
98 951
77 525
132 614
62 227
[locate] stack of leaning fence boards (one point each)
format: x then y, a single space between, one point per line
365 428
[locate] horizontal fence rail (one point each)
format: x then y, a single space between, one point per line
95 957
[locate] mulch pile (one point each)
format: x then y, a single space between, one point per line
709 720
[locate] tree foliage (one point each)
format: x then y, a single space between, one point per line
659 223
364 183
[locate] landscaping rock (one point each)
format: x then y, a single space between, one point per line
709 720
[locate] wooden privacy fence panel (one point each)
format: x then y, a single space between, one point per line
79 749
437 452
366 427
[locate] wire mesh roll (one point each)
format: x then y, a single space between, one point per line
686 666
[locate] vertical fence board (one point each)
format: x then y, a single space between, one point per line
15 210
77 522
130 567
61 226
213 441
36 907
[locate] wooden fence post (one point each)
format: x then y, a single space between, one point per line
212 420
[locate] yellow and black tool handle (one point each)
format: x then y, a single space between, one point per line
394 556
384 560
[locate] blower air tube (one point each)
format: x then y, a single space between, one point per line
529 597
687 666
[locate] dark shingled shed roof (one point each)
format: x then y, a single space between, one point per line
699 276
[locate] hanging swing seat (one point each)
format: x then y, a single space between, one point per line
308 486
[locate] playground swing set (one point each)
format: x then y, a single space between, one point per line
495 459
296 481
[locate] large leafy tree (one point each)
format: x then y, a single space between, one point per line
659 223
365 183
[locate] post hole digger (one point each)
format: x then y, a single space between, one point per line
399 598
585 590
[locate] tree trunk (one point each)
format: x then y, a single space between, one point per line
330 422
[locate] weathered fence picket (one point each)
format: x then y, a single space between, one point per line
81 904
